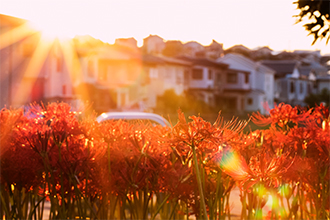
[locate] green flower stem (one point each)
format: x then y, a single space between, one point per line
227 205
243 214
199 182
172 215
80 194
4 204
160 206
218 195
324 194
62 213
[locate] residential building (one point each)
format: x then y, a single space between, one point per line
195 49
192 48
128 42
214 50
292 82
249 84
111 77
205 80
239 49
14 58
164 73
173 48
153 44
31 69
261 53
323 82
56 74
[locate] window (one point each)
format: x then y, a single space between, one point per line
210 75
301 88
246 78
153 73
250 101
232 78
197 74
292 87
168 73
179 79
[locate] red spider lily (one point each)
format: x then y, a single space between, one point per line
312 145
199 134
19 164
268 169
262 168
321 113
9 119
132 156
58 141
281 115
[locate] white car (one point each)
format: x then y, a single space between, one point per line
136 116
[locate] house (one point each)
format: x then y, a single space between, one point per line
214 50
239 49
173 48
128 42
58 76
192 48
153 44
249 84
31 69
293 82
110 77
16 50
163 73
261 53
317 73
204 80
323 82
195 49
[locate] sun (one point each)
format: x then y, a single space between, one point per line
48 40
56 20
52 29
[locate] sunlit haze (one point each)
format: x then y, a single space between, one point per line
250 23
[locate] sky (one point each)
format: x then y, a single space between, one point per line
252 23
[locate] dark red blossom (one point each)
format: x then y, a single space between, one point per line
281 115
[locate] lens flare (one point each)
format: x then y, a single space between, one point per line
285 190
258 214
234 165
260 190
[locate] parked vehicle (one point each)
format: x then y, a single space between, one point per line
134 116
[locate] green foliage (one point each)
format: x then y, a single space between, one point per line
316 99
318 14
170 103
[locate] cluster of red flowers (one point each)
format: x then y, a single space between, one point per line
66 157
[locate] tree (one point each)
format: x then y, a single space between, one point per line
318 14
316 99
